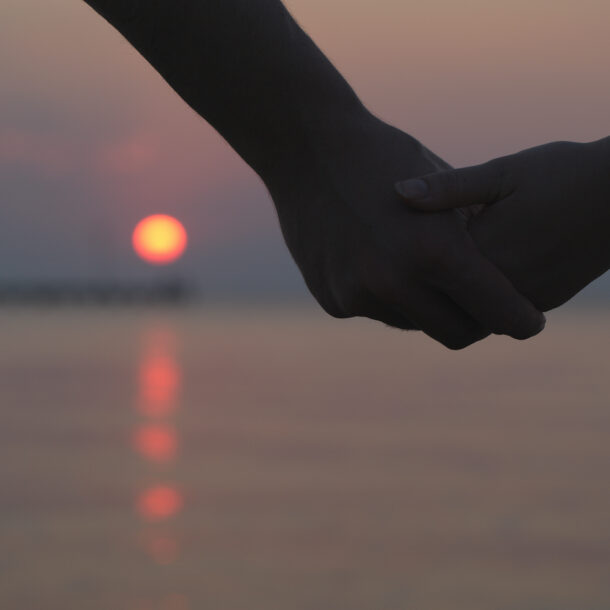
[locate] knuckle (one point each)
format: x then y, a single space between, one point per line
522 326
460 341
455 345
450 183
514 318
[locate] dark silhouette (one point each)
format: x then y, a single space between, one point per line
330 166
542 215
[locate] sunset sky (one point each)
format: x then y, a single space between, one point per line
92 140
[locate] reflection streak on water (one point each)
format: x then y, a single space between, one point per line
159 382
159 502
156 442
163 548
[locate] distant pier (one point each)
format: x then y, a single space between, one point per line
96 293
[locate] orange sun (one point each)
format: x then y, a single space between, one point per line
159 239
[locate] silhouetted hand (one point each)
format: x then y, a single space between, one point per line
363 253
545 219
249 69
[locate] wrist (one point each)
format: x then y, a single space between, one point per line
601 152
321 135
600 149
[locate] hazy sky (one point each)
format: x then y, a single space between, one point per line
92 140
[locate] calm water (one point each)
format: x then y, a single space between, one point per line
275 459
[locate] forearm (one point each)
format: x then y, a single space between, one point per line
603 150
247 68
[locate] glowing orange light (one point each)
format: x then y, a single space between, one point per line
160 502
159 385
156 442
159 239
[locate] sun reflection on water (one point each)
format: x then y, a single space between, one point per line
159 502
161 546
156 440
159 383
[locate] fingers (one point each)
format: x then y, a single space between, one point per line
454 188
442 320
482 291
469 279
429 311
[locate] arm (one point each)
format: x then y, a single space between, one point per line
544 217
247 68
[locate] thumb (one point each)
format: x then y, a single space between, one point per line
454 188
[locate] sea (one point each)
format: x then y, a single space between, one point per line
256 457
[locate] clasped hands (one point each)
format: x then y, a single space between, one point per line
458 254
381 227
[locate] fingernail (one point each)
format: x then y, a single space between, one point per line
413 189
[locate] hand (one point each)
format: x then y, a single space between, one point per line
363 253
261 82
545 218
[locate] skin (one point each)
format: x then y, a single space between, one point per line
541 215
329 165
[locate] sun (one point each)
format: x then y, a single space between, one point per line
159 239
